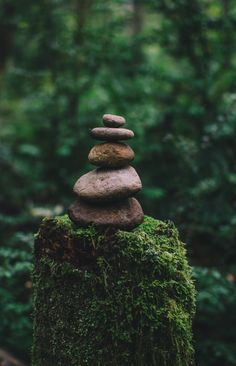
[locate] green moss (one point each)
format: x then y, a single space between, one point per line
112 298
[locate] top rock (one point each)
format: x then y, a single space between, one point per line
111 120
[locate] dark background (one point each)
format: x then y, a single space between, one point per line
169 67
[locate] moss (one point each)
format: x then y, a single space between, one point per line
112 297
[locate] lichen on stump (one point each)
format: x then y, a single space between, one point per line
106 297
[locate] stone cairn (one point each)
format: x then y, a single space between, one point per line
105 195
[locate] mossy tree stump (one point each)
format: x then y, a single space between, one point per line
112 297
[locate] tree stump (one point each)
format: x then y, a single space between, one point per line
110 297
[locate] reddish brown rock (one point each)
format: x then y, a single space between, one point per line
111 134
111 155
111 120
126 214
104 185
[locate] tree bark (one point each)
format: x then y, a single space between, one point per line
111 297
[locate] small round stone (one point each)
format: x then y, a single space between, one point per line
111 155
111 120
111 134
125 215
107 185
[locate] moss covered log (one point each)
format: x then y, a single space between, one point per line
111 297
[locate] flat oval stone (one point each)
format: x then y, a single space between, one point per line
111 134
111 120
125 215
111 155
106 185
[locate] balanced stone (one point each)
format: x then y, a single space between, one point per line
105 195
111 134
111 155
111 120
126 214
104 185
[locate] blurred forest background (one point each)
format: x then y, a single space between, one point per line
169 67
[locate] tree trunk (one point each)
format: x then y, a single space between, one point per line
111 297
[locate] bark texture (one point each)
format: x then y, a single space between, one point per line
106 297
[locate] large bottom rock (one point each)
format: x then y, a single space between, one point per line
125 215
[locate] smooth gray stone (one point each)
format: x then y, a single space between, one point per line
106 185
112 120
125 215
111 134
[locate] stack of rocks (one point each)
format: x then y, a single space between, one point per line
105 195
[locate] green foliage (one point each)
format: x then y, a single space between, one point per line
15 291
215 335
130 303
169 72
168 66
